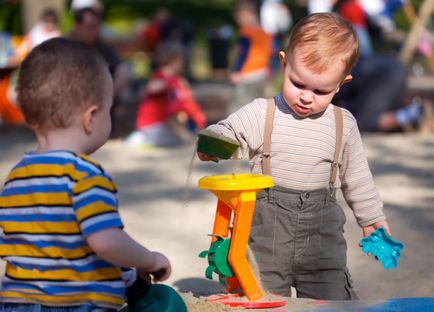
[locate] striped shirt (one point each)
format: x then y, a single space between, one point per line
302 151
49 204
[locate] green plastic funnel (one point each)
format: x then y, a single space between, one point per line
214 144
145 297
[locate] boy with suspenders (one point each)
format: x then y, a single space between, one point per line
310 148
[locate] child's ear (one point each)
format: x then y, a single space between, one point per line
282 58
347 79
88 117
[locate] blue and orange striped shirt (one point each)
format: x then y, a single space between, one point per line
49 204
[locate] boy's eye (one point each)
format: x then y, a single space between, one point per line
303 87
297 85
320 92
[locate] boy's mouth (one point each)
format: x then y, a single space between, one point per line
303 110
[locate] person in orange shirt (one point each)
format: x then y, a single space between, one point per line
253 53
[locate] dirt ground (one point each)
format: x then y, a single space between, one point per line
163 209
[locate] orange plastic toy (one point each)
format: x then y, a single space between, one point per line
236 195
9 112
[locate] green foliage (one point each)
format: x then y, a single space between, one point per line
201 14
297 11
402 21
10 18
66 22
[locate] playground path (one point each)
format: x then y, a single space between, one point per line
166 212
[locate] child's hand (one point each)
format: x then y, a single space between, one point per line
182 117
371 228
160 271
205 157
156 86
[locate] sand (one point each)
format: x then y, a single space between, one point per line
159 212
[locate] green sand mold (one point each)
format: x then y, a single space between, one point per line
213 144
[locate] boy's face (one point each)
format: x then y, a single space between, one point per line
177 65
88 30
243 17
306 92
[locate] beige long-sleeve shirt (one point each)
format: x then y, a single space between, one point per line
302 151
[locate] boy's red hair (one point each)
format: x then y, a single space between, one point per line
322 39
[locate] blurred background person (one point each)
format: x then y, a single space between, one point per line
218 50
276 20
252 56
320 6
13 49
97 5
381 12
87 29
152 33
46 28
377 95
164 27
180 31
352 11
168 114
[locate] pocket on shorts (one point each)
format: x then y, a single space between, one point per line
258 215
261 231
333 245
341 218
349 286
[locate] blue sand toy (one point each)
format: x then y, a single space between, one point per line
383 247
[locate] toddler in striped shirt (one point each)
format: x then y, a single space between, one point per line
311 148
62 236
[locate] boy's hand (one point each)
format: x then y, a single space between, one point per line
160 271
182 117
371 228
205 157
156 86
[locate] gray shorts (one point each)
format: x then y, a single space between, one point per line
297 239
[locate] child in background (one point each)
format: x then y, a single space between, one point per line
169 113
45 29
353 12
62 236
276 19
310 148
253 54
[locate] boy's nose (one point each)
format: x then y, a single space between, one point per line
306 97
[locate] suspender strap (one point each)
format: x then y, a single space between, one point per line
339 133
268 128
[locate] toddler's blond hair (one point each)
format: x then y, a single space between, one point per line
322 39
